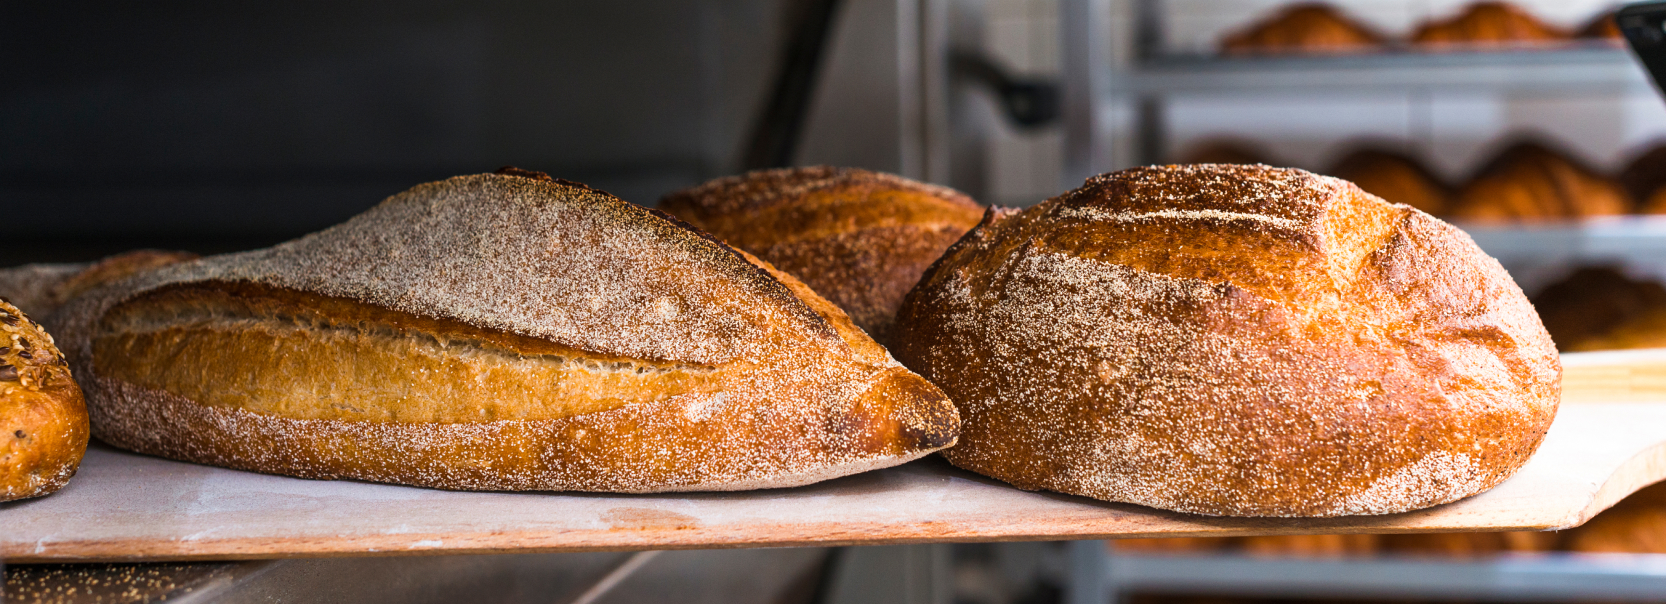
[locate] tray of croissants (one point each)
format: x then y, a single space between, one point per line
513 362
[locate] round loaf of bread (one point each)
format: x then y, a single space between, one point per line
1304 28
1529 181
1233 340
1486 24
43 420
499 332
1395 177
1644 175
859 238
1604 27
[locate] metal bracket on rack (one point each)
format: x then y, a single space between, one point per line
1644 26
1028 102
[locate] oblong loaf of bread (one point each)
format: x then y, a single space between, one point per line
504 332
1233 340
859 238
39 289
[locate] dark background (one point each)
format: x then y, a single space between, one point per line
215 126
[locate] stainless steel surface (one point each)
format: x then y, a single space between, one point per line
1596 70
1548 577
1640 239
1085 26
684 577
900 574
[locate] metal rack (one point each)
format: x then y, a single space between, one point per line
1640 239
1584 69
1101 575
1118 80
1116 83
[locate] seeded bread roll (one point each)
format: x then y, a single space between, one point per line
1233 340
1486 24
499 332
859 238
43 420
39 289
1304 28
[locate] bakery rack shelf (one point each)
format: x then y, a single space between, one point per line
1608 239
1115 61
1608 441
1511 578
1587 70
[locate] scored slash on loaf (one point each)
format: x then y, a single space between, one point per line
1233 340
499 331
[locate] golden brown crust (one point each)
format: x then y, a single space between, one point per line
499 332
1304 28
1528 181
1395 177
1233 340
1488 24
43 421
859 238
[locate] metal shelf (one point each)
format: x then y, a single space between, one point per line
1584 69
1640 239
1513 577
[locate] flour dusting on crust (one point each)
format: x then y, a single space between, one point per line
1233 340
776 386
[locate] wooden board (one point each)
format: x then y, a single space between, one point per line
130 507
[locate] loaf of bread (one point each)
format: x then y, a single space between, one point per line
39 289
1646 329
1595 303
43 420
1233 340
1309 546
1469 545
1603 27
500 332
1488 24
1170 545
858 238
1644 177
1227 151
1395 177
1529 181
1304 28
1635 525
